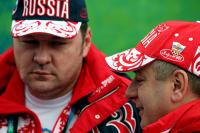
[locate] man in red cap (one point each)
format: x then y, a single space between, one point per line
166 88
55 80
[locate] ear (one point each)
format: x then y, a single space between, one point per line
180 85
87 42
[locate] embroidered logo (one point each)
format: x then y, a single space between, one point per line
195 65
153 34
174 54
103 89
124 121
128 60
64 29
50 8
104 84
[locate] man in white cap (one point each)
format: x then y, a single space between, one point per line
55 80
166 87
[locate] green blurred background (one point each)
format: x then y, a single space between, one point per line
117 24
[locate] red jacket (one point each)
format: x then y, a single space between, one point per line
184 119
102 89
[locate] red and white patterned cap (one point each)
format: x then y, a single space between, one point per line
61 18
65 29
176 42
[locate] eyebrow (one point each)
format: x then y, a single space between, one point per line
139 71
60 38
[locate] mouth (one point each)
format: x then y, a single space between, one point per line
41 72
139 106
41 75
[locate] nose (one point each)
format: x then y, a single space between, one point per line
42 55
131 92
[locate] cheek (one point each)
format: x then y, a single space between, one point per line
151 110
66 66
149 97
68 71
154 105
23 60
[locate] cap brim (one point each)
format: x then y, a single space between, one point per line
64 29
129 60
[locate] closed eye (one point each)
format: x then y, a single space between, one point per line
138 80
58 43
30 41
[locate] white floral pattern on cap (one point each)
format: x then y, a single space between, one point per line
65 29
128 60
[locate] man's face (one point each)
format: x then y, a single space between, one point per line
49 65
152 96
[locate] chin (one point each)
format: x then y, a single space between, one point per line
144 122
41 86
